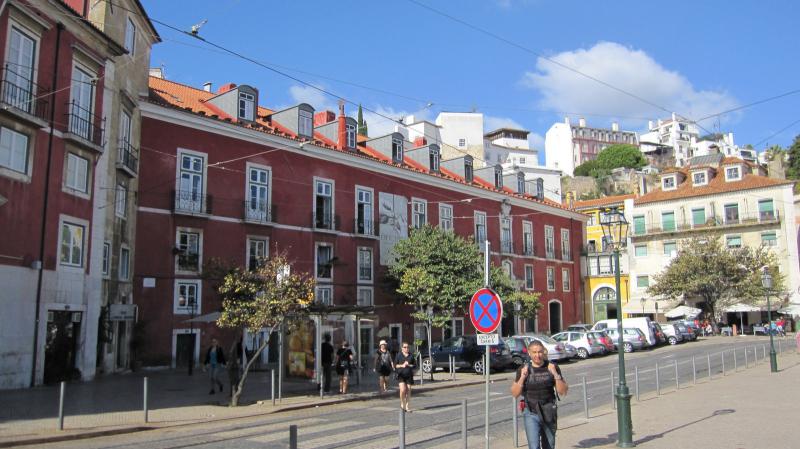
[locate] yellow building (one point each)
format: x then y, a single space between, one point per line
598 262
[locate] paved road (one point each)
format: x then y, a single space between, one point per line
436 420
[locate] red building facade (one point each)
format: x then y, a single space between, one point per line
223 178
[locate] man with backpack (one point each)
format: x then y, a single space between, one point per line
539 383
383 366
344 364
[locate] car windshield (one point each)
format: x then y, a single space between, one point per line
545 339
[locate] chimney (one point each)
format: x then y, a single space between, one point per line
323 117
649 125
157 72
614 126
342 127
569 200
730 139
226 87
566 121
420 142
582 122
207 86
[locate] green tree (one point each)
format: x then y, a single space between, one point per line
586 169
620 155
362 124
793 170
263 298
706 268
773 152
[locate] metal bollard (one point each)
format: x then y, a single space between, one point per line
322 385
764 351
402 429
779 347
61 405
677 377
144 402
292 436
636 381
585 399
708 355
658 380
272 385
745 357
613 401
735 363
694 371
422 371
722 357
515 423
464 422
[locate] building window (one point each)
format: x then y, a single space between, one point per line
364 296
640 250
324 261
521 183
733 174
670 248
188 250
699 178
397 150
551 279
769 239
13 150
323 205
642 281
72 244
106 258
364 224
446 217
527 238
668 221
433 156
668 183
258 195
699 216
130 37
189 196
733 241
565 280
522 161
592 219
419 213
639 225
364 264
19 75
305 125
121 202
498 178
529 277
731 213
81 121
506 244
462 143
247 106
468 175
766 210
549 242
256 252
77 176
324 295
350 134
124 264
566 253
480 228
187 297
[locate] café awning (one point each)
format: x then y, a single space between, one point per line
683 311
744 308
638 306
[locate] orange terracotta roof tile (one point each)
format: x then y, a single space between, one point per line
602 201
716 185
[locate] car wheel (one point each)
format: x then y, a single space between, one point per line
426 366
627 347
673 341
517 361
477 366
583 353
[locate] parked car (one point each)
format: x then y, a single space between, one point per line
604 339
686 332
695 329
660 337
585 345
672 333
555 351
641 323
468 354
519 351
580 327
633 339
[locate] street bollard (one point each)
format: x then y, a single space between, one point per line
61 405
292 436
515 423
322 385
613 402
735 363
422 371
745 357
677 378
144 402
779 347
272 386
708 355
722 357
658 382
764 351
402 429
464 422
694 371
585 399
636 381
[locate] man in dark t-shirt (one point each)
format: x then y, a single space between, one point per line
327 361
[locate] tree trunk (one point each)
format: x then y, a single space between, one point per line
430 354
238 390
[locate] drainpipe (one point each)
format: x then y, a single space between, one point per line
59 29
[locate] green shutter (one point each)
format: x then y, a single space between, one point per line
765 206
668 221
638 225
698 217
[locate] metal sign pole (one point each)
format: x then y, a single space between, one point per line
486 363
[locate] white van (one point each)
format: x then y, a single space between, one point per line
641 323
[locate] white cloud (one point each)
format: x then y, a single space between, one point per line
307 94
384 119
626 68
491 123
536 141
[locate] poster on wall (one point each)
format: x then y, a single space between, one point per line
393 216
300 359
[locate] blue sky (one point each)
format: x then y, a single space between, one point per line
395 57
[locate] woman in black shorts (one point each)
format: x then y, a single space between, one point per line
404 364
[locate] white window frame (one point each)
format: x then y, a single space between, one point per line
369 221
775 244
121 200
359 252
566 281
177 309
702 182
11 169
324 288
90 107
106 261
350 135
188 204
636 248
419 212
397 150
739 236
664 181
508 230
124 268
317 182
446 217
435 160
549 242
262 212
642 276
74 183
199 233
74 224
664 247
480 219
318 245
551 279
527 238
365 290
730 170
566 246
251 240
28 33
305 123
529 277
130 37
246 106
462 142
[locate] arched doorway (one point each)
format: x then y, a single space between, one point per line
554 314
604 304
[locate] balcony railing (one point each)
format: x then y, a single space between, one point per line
128 158
528 249
258 211
751 219
365 273
188 261
506 246
20 94
191 202
84 124
325 221
364 227
480 241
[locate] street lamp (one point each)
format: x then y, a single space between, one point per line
615 233
766 282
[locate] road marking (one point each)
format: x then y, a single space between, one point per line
338 437
283 433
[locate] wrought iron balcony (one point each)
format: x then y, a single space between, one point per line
191 202
731 221
256 211
506 246
84 124
326 221
128 158
20 94
528 249
365 227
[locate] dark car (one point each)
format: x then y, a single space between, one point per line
519 352
660 337
468 354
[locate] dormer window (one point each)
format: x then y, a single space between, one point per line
433 156
468 170
350 131
699 178
668 183
247 105
397 150
305 123
498 178
733 173
520 183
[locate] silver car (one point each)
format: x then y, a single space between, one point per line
632 339
555 350
673 335
584 344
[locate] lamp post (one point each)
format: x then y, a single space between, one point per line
766 282
615 232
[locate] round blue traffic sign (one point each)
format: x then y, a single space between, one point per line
485 310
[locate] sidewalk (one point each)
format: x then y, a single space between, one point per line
114 404
746 410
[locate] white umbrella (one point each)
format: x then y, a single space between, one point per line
791 309
742 308
688 312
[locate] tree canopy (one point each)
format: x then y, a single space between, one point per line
615 156
793 170
706 268
361 123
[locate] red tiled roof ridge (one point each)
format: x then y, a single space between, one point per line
718 185
603 200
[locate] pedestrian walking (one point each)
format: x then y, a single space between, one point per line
404 364
344 365
539 383
215 360
383 366
327 361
